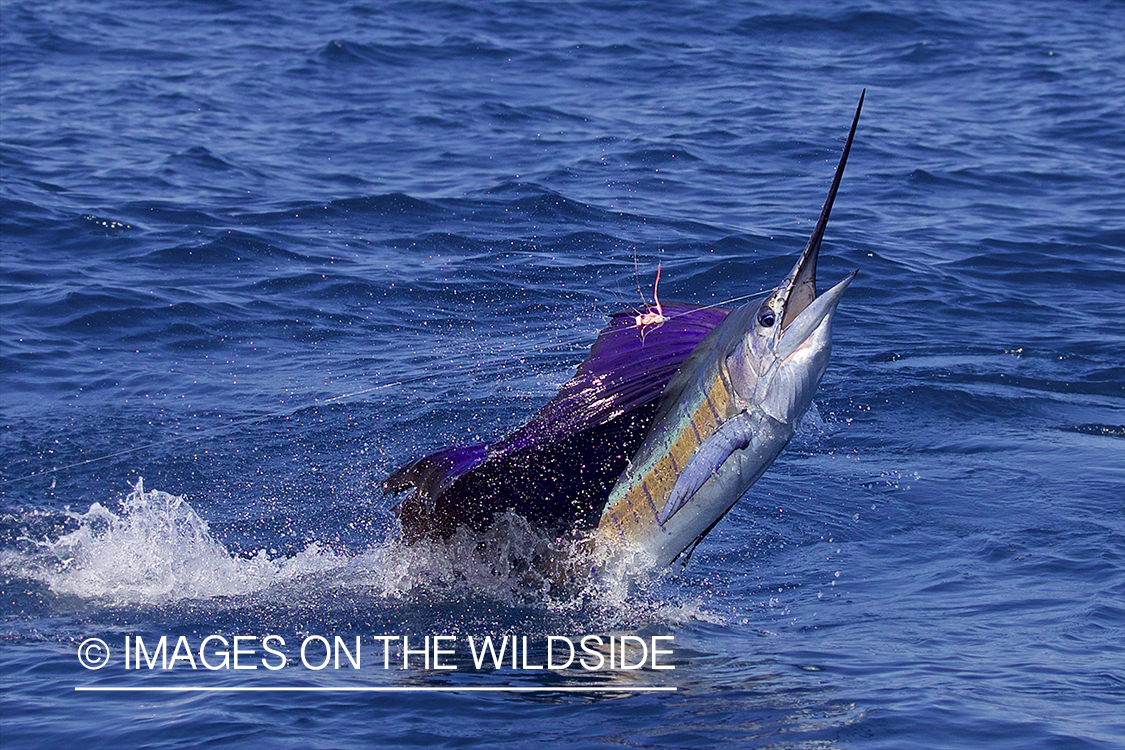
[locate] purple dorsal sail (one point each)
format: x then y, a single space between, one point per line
557 469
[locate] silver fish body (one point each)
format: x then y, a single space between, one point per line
726 415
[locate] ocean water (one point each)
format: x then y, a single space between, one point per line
255 256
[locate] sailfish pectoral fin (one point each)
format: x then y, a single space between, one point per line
735 434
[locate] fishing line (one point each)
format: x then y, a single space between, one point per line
475 366
187 438
199 433
724 302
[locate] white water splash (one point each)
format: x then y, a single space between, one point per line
157 549
506 562
513 565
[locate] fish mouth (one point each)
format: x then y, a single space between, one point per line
798 291
803 330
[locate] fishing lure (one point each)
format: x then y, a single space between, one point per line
654 314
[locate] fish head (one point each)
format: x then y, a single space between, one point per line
786 348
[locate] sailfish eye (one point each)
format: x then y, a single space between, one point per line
766 318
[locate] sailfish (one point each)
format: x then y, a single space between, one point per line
658 433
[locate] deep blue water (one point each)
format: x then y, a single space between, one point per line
261 254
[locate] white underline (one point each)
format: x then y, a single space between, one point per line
379 689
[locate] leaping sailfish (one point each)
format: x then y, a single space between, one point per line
658 434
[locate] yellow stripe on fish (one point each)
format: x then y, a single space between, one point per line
641 504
